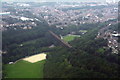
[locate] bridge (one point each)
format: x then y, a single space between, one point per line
63 42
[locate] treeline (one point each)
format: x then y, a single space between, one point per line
20 35
76 29
86 7
21 43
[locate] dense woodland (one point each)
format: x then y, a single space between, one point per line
88 58
33 41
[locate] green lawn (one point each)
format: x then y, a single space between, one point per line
69 38
24 69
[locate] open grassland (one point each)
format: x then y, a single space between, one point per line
69 38
25 69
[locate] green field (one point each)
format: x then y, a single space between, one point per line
69 38
24 69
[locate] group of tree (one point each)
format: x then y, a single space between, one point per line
88 58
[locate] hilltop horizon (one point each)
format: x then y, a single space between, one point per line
55 0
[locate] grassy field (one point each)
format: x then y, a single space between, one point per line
24 69
69 37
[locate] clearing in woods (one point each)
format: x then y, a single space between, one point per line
69 38
36 58
30 67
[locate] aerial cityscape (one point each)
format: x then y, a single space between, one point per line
60 39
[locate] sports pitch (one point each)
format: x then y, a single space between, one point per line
69 38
